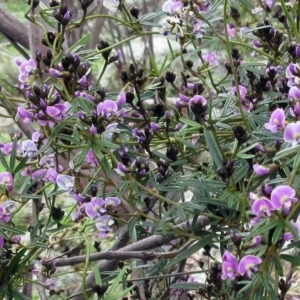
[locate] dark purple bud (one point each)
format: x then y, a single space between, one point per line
94 190
236 238
297 51
38 56
85 3
266 190
66 17
54 3
170 76
134 11
115 57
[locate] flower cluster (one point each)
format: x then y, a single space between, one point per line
231 267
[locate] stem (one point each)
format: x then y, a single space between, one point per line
233 69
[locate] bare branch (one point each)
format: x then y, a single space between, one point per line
120 254
145 244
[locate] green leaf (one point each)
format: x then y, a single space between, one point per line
106 144
10 270
295 260
150 16
278 266
213 148
190 251
267 227
20 165
189 286
11 229
190 123
97 275
121 294
292 229
277 233
4 162
81 155
187 143
35 229
18 295
82 42
13 154
245 156
115 283
286 152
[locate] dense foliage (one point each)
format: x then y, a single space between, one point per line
198 150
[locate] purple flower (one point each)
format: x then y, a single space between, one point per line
172 6
268 3
103 225
257 44
91 159
112 201
277 120
56 74
256 241
65 182
95 208
5 211
83 82
112 5
166 29
203 5
257 10
248 263
288 235
291 133
93 129
111 129
282 197
26 70
25 115
29 148
84 95
107 108
121 169
50 284
231 30
154 127
230 266
262 206
121 100
211 58
198 29
243 92
261 170
292 73
7 180
67 17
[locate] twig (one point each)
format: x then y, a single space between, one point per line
146 244
120 254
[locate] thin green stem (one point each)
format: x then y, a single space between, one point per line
239 103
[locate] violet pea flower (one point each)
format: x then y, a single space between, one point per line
230 266
277 120
95 208
65 182
248 264
111 5
261 170
7 180
282 197
291 133
172 6
262 206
